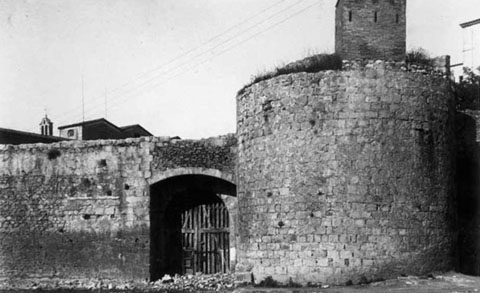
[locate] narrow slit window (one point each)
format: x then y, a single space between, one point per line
397 18
350 16
375 17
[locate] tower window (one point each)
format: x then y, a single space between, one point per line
397 18
350 16
375 17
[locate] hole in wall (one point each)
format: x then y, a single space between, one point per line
109 192
102 163
86 217
53 154
86 182
281 224
126 186
267 106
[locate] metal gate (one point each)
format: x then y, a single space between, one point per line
205 239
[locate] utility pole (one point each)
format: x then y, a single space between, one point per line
83 101
105 102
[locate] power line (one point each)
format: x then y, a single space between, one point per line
186 53
188 62
232 46
223 51
83 101
94 106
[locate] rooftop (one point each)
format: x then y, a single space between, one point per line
102 120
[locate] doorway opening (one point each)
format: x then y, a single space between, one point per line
190 225
206 239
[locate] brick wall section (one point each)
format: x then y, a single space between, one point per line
345 174
362 37
81 209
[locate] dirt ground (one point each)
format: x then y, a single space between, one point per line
445 283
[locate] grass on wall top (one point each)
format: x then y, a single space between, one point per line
310 64
419 57
320 62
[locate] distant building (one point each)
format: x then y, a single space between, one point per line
46 126
101 129
471 44
11 136
371 29
135 131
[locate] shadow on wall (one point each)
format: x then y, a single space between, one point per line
468 192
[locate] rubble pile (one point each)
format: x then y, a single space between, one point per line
197 282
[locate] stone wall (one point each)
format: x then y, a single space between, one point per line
371 29
346 175
81 209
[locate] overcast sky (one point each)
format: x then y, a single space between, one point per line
173 66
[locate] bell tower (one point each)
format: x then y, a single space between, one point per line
46 126
371 29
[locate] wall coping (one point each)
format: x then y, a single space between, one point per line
348 65
216 140
364 65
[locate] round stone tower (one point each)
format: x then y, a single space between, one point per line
345 175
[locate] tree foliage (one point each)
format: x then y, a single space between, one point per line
419 57
467 91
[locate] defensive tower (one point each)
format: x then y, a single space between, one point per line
371 29
345 175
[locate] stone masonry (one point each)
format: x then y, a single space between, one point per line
340 175
81 209
371 29
346 175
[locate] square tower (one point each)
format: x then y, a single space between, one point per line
371 29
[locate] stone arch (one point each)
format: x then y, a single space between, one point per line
175 190
162 175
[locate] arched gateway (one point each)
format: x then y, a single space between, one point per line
192 216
